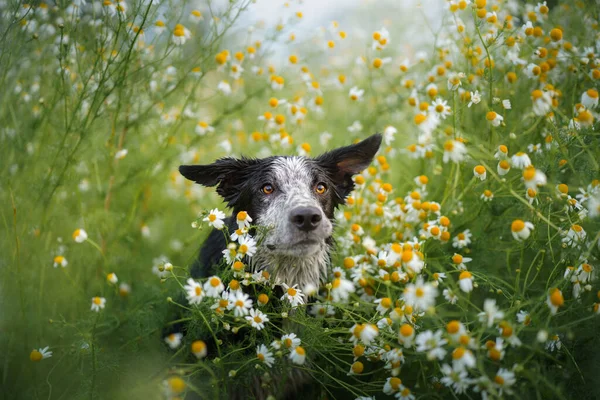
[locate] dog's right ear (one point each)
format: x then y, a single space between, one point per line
228 173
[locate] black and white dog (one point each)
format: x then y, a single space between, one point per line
294 198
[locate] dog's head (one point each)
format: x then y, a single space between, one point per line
293 197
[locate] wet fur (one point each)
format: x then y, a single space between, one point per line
239 182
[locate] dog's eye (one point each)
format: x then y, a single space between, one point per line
267 189
320 188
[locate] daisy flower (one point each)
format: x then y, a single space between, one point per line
293 295
341 289
465 281
98 303
180 35
521 230
501 153
432 343
462 358
240 303
247 246
202 128
555 300
356 94
575 236
420 295
459 261
406 335
174 340
490 313
521 160
290 341
80 235
195 292
257 319
243 220
298 355
461 240
589 98
475 98
503 167
60 260
199 349
383 305
213 286
454 151
450 296
479 172
494 118
112 278
40 354
215 218
440 108
533 178
264 355
392 385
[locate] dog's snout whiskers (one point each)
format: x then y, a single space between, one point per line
306 218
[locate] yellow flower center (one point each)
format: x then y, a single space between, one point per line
517 225
198 290
406 330
214 282
465 275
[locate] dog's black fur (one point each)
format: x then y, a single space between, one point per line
239 182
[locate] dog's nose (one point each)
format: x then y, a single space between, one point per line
306 218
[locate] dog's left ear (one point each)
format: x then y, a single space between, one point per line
342 163
228 173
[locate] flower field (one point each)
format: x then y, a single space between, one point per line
466 258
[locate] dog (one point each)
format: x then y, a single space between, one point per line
294 197
292 200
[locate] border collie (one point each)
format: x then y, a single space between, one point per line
293 198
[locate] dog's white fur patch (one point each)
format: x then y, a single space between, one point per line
280 252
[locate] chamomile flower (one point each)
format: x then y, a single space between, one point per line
298 355
533 177
589 98
356 94
341 289
384 305
215 219
432 343
450 296
40 354
440 108
462 239
479 172
202 128
475 98
265 355
575 237
392 385
503 167
240 303
80 235
174 340
199 349
521 230
290 341
465 281
112 278
180 35
98 303
487 195
293 295
243 220
420 295
462 358
60 261
406 335
257 319
247 246
494 118
194 290
213 286
521 160
454 151
555 300
490 313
